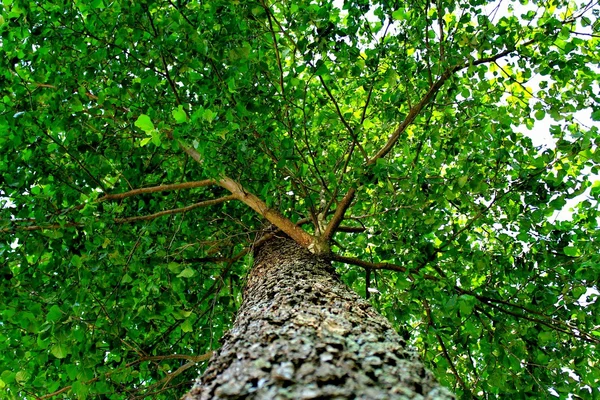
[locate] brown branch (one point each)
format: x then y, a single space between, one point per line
386 266
550 323
272 215
154 189
433 90
167 75
338 216
443 345
39 227
277 56
412 115
190 151
339 113
571 331
205 203
45 85
170 376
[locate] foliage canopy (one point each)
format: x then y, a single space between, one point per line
144 145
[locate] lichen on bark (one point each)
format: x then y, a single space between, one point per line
302 334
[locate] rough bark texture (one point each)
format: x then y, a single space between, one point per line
302 334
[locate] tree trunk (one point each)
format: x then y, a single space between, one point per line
302 334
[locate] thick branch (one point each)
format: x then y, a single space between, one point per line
273 216
127 220
386 266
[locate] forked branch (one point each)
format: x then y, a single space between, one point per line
252 201
272 215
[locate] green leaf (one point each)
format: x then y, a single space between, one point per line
571 251
59 350
399 14
466 304
8 376
144 123
174 267
208 115
54 314
156 138
186 273
76 261
540 115
187 326
180 115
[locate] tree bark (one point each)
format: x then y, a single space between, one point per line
302 334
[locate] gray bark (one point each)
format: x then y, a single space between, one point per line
302 334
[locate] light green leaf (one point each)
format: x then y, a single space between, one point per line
180 115
174 267
540 115
399 14
208 115
571 251
144 123
187 326
186 273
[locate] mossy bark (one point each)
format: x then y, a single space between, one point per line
302 334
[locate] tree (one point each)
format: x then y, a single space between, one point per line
147 146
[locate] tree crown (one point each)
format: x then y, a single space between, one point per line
146 146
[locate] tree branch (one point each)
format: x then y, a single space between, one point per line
338 216
433 90
386 266
205 203
272 215
443 346
193 360
339 113
154 189
412 114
